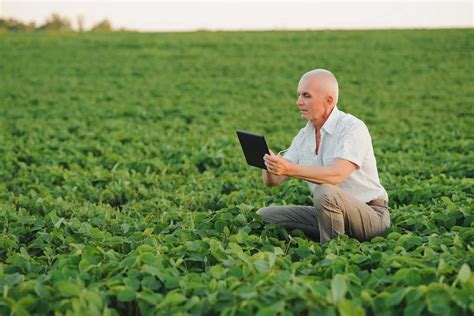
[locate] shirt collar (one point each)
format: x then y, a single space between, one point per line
331 121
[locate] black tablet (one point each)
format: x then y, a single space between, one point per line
254 147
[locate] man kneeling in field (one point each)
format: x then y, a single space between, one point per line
334 154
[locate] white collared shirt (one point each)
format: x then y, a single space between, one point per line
342 136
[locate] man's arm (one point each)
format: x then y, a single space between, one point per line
334 174
272 180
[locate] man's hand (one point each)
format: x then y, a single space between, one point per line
277 164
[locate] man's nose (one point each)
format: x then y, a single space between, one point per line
298 101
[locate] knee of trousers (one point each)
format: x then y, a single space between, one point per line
263 211
324 195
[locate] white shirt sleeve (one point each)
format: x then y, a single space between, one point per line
354 145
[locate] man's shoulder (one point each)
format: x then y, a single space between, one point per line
350 123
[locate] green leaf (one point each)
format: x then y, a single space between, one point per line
437 299
150 298
358 258
241 219
93 298
41 291
151 270
27 301
414 309
272 310
464 273
217 271
338 288
59 222
407 277
128 294
67 289
347 308
173 298
395 298
53 217
125 228
12 279
216 249
149 259
393 236
462 298
261 265
414 294
446 200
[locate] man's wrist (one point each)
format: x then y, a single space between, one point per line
291 171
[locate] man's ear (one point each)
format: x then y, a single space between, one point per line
330 100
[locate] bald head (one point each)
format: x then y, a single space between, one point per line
324 81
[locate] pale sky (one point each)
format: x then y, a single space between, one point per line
188 15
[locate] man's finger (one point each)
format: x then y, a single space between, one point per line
270 166
273 158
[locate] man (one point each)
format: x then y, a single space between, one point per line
334 154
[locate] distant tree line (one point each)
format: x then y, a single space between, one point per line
54 23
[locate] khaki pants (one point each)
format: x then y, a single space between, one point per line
335 212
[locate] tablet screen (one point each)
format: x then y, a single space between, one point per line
254 147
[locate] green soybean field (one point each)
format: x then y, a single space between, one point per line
124 190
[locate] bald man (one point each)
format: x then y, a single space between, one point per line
333 153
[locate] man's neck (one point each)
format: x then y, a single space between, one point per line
318 124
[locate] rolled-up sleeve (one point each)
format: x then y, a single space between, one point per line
354 145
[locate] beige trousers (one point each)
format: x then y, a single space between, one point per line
334 212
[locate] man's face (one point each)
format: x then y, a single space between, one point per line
311 102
